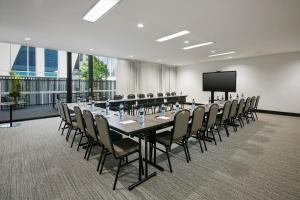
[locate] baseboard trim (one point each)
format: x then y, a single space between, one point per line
279 113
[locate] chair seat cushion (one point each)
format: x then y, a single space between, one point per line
74 124
115 136
165 138
125 146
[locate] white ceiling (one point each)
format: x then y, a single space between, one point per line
249 27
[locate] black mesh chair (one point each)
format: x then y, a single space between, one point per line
160 94
177 135
118 97
103 98
173 93
168 94
120 149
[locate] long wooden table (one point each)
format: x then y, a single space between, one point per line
131 126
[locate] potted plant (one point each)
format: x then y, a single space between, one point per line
15 92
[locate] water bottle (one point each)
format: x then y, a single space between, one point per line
121 110
142 115
237 96
222 97
163 110
217 98
93 104
180 93
193 104
209 100
242 95
78 100
107 106
230 97
177 106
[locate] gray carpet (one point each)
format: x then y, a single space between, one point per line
260 161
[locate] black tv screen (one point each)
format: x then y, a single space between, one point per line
219 81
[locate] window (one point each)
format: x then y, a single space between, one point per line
21 66
51 62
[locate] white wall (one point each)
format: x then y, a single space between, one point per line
276 78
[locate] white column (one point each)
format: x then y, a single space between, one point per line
40 62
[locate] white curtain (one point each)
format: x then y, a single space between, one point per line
143 77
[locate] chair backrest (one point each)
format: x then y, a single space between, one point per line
118 97
247 104
257 100
131 96
141 96
168 94
67 113
61 110
90 124
233 108
212 115
150 95
103 132
181 121
173 93
79 118
252 103
103 98
160 94
226 110
197 119
241 107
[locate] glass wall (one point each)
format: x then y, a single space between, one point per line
40 75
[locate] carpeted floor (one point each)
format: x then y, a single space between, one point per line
260 161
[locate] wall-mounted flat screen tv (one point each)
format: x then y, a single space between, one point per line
223 81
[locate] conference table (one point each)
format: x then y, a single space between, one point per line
131 126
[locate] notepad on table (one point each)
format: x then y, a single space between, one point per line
163 117
109 116
128 122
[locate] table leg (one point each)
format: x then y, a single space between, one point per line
147 177
10 116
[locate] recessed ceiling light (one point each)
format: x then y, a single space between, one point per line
198 45
99 9
131 56
213 51
91 49
27 39
186 42
175 35
140 25
229 57
159 60
222 54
